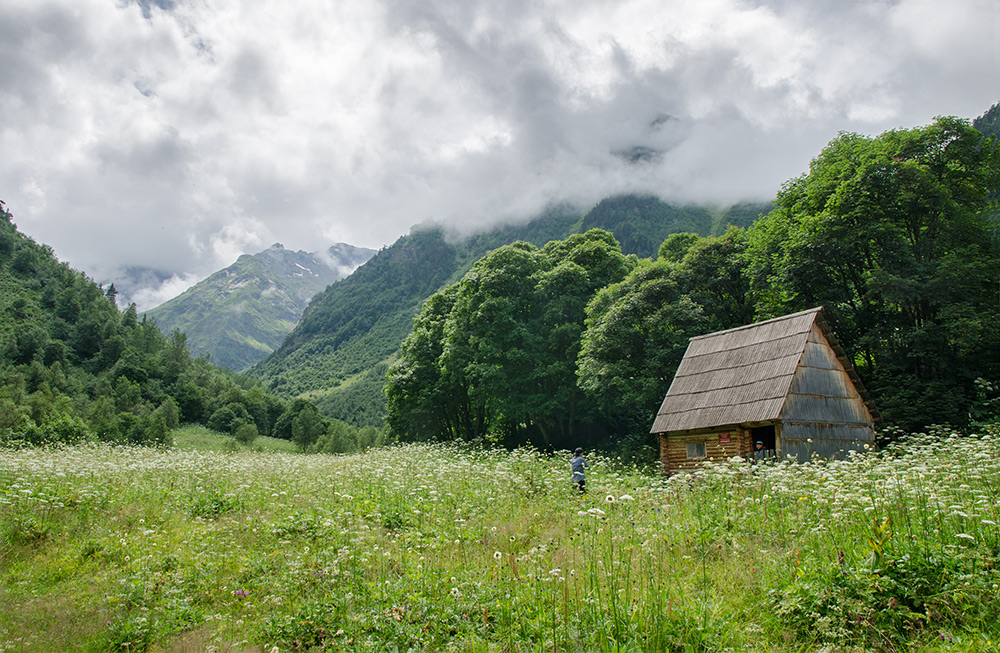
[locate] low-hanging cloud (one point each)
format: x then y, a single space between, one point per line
176 134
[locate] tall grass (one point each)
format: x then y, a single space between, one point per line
435 547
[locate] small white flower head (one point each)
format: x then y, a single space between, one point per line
626 497
497 555
610 498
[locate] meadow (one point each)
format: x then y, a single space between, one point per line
460 548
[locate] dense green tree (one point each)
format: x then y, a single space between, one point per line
230 417
307 427
712 273
890 234
580 266
340 437
246 433
636 334
191 402
676 246
423 402
494 354
283 424
488 341
171 413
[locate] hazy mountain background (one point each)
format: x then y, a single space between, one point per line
241 314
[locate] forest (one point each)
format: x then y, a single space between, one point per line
576 343
75 368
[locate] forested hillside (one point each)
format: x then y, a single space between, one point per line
339 353
989 123
892 235
640 224
241 314
75 368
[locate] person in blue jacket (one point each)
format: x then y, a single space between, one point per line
577 464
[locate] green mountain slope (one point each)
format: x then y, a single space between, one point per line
989 123
740 215
642 223
338 353
241 314
73 367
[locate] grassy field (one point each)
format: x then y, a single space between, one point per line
199 438
446 548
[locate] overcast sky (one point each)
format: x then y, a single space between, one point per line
177 134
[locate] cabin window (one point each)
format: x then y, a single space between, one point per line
696 449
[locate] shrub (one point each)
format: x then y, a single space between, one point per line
229 418
246 433
62 429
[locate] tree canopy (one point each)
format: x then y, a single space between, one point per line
892 235
494 355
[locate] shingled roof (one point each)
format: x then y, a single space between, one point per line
742 375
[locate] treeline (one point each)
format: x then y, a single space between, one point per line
73 367
577 343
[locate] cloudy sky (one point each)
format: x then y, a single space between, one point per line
174 135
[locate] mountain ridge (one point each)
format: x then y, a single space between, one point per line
242 313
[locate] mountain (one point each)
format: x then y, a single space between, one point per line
240 314
989 123
642 223
73 367
339 352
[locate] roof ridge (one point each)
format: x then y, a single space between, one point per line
790 316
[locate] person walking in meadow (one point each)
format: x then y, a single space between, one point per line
577 464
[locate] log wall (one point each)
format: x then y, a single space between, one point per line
673 448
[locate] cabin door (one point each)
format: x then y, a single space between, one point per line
765 434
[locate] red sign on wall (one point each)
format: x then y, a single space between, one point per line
725 438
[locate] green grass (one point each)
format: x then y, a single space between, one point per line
193 437
430 547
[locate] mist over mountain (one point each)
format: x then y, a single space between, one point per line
242 313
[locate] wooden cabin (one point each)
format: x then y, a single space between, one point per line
785 382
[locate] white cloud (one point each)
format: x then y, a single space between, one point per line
155 292
178 138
